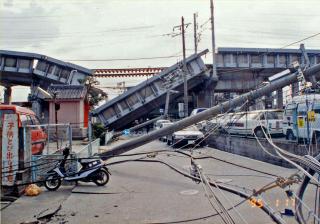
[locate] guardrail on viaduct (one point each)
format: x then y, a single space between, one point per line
22 68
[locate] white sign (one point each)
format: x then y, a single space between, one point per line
10 147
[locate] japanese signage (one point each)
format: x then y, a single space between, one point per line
10 144
300 122
311 116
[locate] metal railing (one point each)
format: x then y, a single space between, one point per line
89 150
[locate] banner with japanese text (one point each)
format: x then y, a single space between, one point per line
10 148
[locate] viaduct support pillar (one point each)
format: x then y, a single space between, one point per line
7 95
279 99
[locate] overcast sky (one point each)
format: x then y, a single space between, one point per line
75 30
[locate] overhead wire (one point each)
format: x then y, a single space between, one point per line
278 150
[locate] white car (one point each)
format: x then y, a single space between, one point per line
187 136
255 122
162 125
158 123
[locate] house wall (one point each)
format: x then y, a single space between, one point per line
69 113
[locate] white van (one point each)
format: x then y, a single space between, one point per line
301 119
247 123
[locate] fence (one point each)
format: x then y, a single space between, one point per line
108 137
41 164
90 149
47 138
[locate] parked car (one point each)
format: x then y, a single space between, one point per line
27 117
159 122
187 136
162 125
247 123
301 119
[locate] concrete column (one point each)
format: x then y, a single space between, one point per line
268 101
36 108
202 99
7 95
279 99
295 89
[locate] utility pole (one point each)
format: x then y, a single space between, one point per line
195 32
214 66
185 81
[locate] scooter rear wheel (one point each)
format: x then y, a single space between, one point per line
52 182
101 178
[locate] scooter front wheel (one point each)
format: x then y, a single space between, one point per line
101 178
52 182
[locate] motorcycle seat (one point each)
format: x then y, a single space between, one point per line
88 161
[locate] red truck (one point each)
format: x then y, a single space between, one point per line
27 117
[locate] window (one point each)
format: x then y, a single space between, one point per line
146 92
270 59
24 63
256 59
274 115
50 69
242 59
25 120
10 62
57 71
302 110
282 59
65 74
41 66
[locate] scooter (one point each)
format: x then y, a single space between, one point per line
91 171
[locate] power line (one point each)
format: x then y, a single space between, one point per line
126 59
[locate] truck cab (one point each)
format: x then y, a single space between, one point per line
301 120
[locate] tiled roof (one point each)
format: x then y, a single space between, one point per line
68 91
126 72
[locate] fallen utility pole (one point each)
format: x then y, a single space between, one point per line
254 94
139 126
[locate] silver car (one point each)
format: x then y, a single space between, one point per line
187 136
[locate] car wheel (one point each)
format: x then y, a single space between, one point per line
290 136
259 133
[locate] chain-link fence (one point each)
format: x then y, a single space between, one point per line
41 164
47 139
89 150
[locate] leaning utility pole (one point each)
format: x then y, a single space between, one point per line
185 81
195 32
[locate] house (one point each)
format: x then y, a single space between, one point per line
72 107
